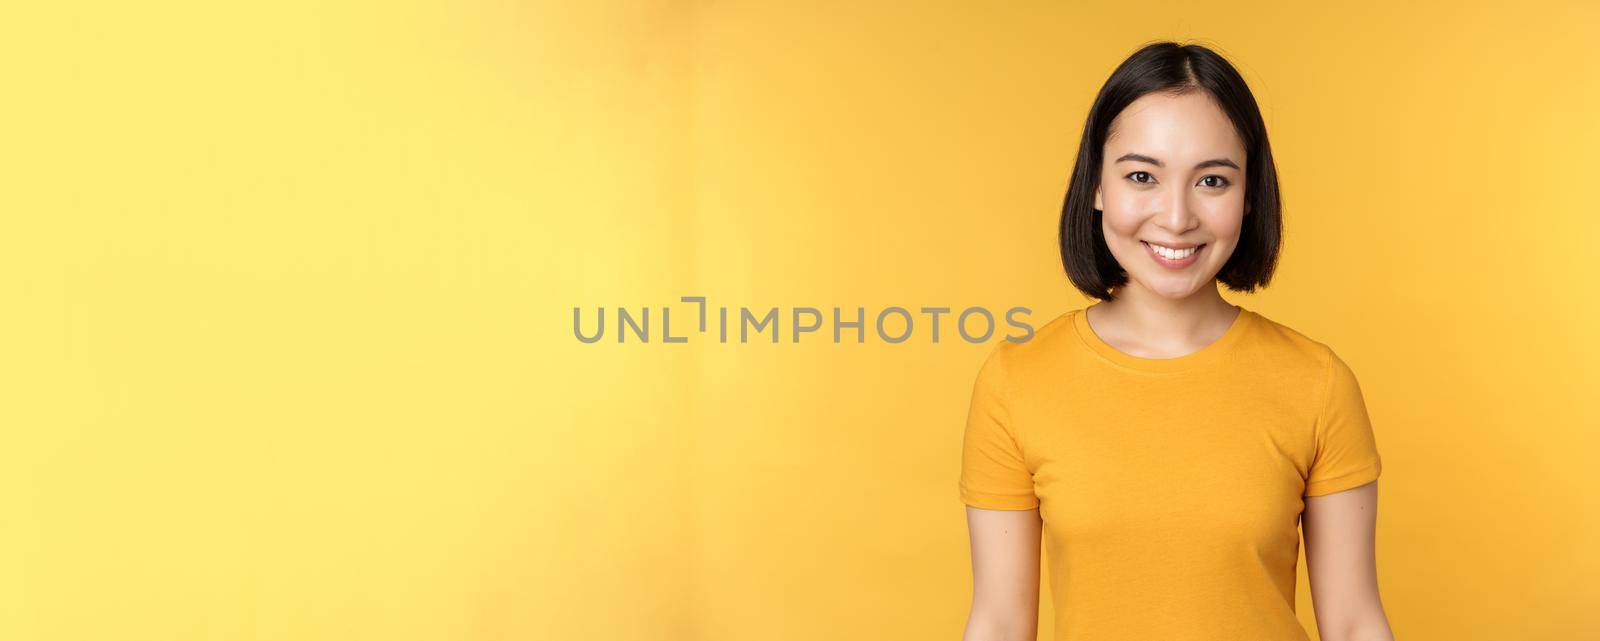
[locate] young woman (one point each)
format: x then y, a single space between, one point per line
1165 443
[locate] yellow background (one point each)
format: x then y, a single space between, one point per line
287 332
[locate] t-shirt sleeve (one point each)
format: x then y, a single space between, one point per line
994 473
1347 452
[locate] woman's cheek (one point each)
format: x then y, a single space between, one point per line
1226 220
1123 214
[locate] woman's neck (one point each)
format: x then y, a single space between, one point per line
1143 323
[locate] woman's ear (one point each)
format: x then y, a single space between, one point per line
1101 207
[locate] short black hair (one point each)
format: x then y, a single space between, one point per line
1175 69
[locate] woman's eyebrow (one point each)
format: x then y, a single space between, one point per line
1214 162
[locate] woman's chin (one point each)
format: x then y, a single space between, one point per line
1172 288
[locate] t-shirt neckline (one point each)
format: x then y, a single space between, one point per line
1212 353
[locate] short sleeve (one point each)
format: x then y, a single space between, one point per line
994 474
1347 452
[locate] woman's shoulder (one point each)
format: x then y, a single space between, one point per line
1040 346
1283 342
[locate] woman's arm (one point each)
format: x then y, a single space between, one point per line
1339 530
1005 575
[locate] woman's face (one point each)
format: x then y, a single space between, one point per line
1173 176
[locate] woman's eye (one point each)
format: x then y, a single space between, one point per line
1133 176
1221 182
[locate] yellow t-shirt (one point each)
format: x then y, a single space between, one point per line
1170 489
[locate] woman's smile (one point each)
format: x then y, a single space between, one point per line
1173 258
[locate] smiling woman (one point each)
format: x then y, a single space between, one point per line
1193 123
1164 443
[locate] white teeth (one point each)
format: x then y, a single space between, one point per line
1173 254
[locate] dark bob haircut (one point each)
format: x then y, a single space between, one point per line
1173 69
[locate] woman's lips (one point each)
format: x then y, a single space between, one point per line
1170 263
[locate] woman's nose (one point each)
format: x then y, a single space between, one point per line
1179 215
